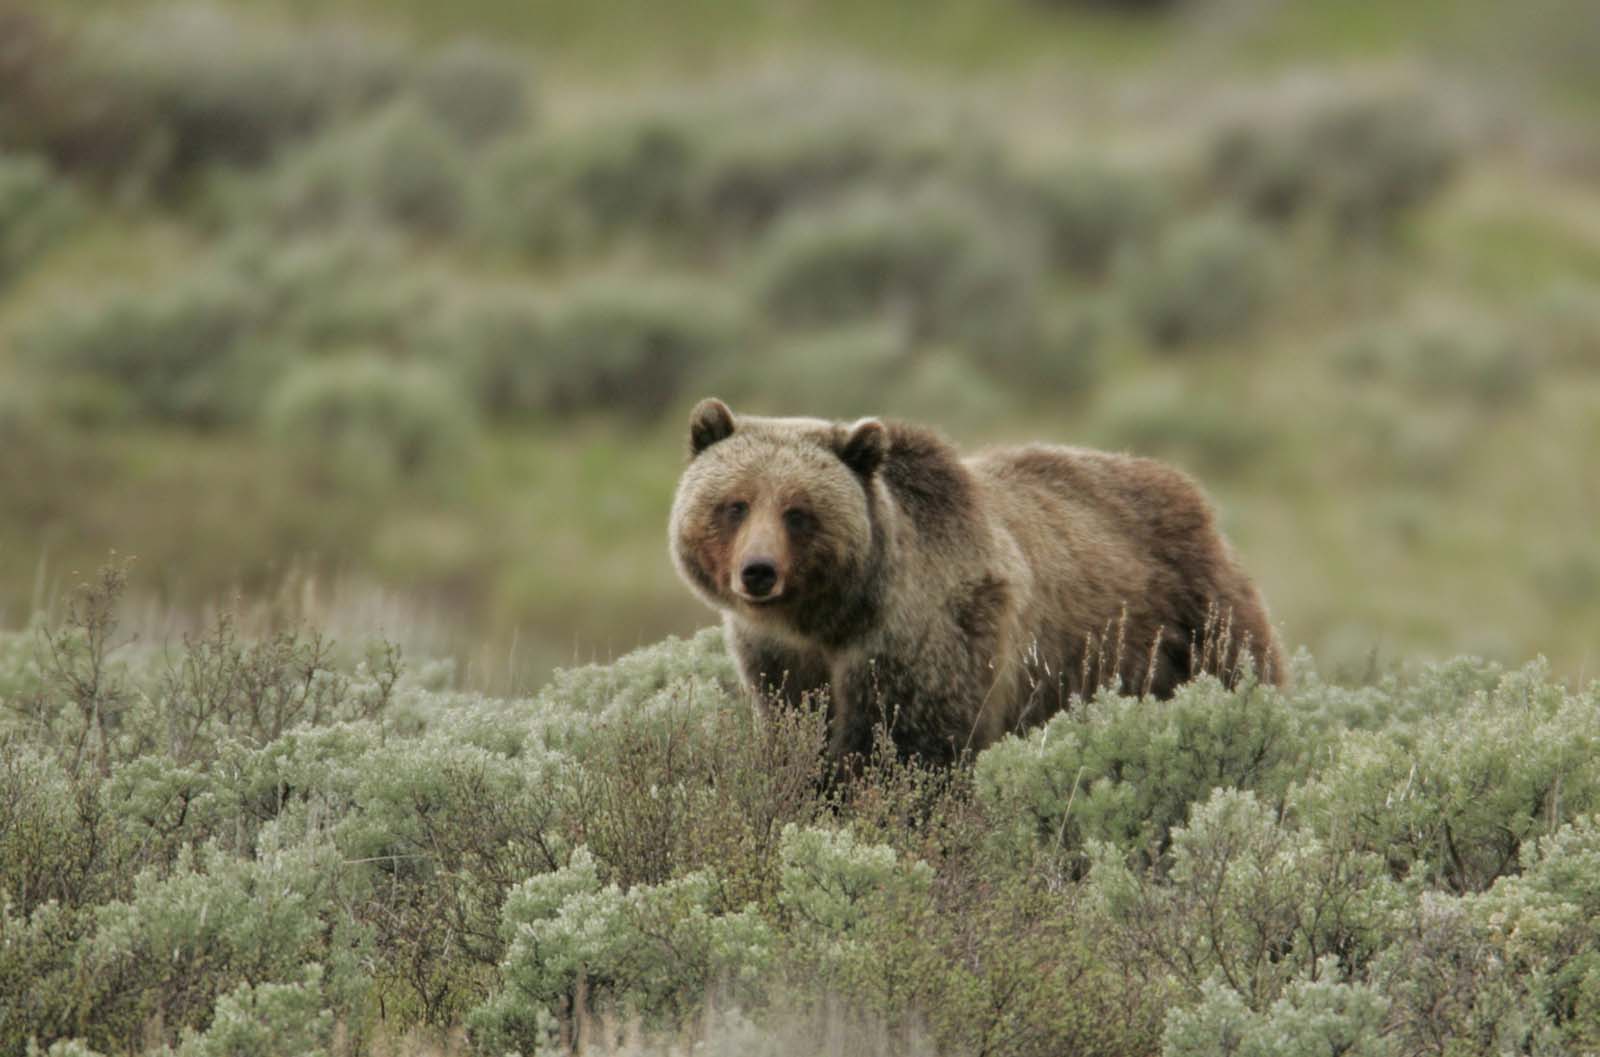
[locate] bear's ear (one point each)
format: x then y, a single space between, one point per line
710 422
864 446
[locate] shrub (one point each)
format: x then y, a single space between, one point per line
187 352
1545 925
1202 432
353 287
946 387
1564 325
709 175
1451 990
1436 355
840 373
789 146
56 835
496 341
1455 802
157 94
653 950
1208 280
1251 899
35 210
267 1020
400 167
244 920
935 263
476 91
631 346
547 197
370 422
1126 771
1315 1018
1359 161
1092 212
50 103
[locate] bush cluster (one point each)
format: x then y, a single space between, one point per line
148 100
36 210
706 177
280 845
370 199
1208 280
1359 162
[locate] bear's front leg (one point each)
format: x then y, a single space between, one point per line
929 705
775 669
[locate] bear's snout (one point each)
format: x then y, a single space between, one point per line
759 576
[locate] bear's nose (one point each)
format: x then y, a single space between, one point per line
758 577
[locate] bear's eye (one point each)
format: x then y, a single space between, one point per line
736 510
798 520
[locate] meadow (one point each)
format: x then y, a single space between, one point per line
290 846
346 351
388 324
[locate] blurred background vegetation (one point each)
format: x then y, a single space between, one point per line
389 314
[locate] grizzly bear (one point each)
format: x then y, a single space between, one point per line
955 599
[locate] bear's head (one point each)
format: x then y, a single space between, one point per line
774 516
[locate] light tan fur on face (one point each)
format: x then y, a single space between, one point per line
762 466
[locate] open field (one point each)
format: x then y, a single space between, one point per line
289 846
360 322
1331 259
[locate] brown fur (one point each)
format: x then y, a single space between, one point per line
957 599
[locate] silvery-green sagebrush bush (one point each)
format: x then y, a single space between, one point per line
285 844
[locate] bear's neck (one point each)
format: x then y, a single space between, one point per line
922 506
853 604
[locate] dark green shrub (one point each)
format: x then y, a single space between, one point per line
57 838
187 352
632 345
712 174
786 146
354 287
1360 162
366 421
37 970
936 264
496 341
547 196
476 91
400 167
1207 281
1092 212
35 210
51 104
157 94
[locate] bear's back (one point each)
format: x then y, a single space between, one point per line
1118 501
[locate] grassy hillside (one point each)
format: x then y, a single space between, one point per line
292 847
342 310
